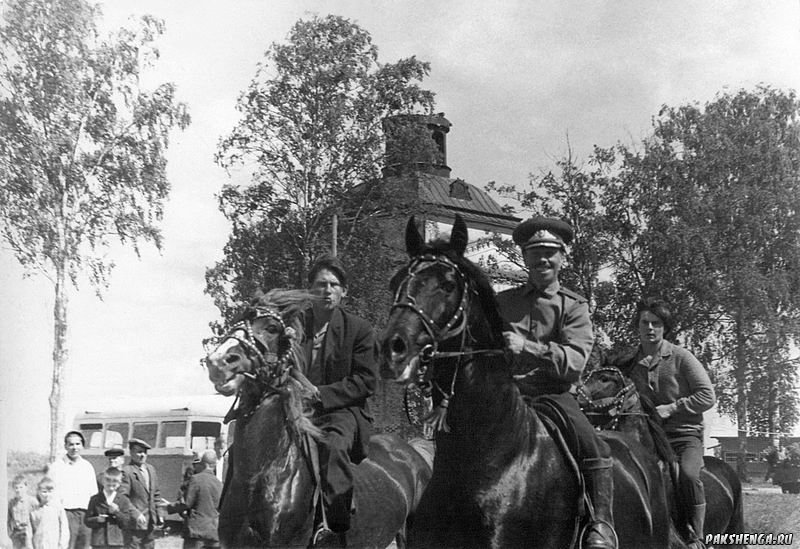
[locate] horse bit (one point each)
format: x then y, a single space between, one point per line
457 325
273 369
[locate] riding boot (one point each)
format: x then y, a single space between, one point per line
697 516
599 479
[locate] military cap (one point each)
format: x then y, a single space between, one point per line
138 442
114 452
545 232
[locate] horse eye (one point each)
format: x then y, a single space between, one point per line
273 330
448 286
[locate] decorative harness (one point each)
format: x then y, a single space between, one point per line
624 402
457 325
272 369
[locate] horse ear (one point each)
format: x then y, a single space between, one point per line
414 242
459 236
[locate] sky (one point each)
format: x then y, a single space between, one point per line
520 81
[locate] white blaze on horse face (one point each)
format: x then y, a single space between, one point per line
222 362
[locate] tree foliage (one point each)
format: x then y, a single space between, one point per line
81 147
311 137
706 213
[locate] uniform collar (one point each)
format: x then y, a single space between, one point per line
547 291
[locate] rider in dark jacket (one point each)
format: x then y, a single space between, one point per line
343 355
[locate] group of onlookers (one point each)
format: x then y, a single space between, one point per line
76 508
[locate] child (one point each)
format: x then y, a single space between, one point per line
19 511
48 527
109 512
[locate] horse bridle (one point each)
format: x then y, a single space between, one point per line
611 406
272 369
455 326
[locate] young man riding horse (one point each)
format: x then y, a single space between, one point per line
678 385
549 334
343 356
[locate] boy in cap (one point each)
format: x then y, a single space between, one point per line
109 512
140 485
549 334
200 508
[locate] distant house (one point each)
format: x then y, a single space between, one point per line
728 448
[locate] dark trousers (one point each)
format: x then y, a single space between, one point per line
80 535
336 473
139 539
590 445
689 449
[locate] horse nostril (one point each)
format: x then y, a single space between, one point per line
230 359
398 345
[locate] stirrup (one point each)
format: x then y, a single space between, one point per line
585 531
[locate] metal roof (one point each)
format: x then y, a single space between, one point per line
457 196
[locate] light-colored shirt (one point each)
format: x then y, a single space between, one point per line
75 481
48 527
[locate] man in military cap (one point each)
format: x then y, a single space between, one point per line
549 334
140 485
116 459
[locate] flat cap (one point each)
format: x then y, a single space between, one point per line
138 442
545 232
114 452
209 457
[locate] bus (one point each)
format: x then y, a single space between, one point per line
177 428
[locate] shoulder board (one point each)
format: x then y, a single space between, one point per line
569 293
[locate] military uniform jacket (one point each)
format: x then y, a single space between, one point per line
557 318
142 496
349 359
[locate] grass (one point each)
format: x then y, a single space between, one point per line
766 510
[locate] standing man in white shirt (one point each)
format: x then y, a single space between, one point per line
75 483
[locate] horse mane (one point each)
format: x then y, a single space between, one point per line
660 440
298 391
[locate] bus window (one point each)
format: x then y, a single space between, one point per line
93 434
204 433
116 435
173 434
146 432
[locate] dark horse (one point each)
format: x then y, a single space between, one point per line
270 495
499 478
612 402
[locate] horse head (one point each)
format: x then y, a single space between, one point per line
262 342
443 303
605 394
